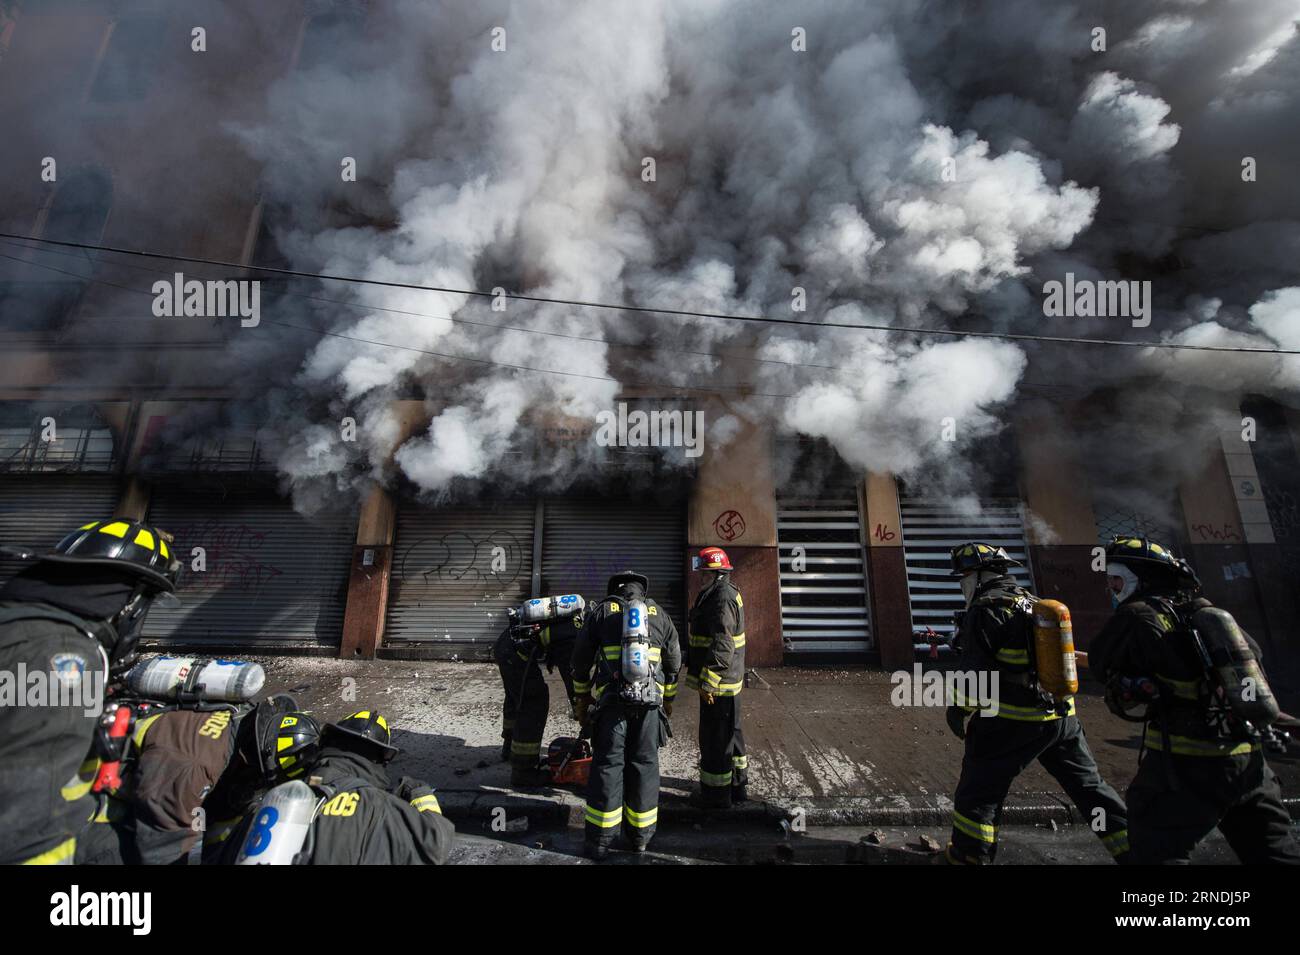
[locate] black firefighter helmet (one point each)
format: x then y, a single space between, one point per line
284 738
1153 563
139 550
622 580
296 743
977 555
366 731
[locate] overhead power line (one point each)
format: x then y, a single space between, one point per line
650 310
711 389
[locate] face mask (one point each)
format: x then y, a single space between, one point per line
129 625
1122 581
971 582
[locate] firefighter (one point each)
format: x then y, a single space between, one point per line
716 670
74 617
1201 766
365 820
175 759
520 652
278 743
625 666
1021 723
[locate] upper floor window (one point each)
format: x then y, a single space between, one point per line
131 60
79 209
55 439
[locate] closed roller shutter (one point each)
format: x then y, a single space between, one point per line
584 543
455 573
931 529
272 577
824 584
37 510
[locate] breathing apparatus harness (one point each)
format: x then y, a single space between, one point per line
633 681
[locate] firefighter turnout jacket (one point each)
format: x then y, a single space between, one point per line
45 770
996 634
1150 638
364 823
598 649
1202 769
716 658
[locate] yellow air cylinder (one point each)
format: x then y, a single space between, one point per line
1054 648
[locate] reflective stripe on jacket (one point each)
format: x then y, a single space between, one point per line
716 653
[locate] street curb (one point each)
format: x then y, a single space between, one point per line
554 808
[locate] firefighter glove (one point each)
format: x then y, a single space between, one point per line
409 788
705 696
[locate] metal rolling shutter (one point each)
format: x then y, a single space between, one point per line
443 588
931 529
273 577
824 606
37 510
584 543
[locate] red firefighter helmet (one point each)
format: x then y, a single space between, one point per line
713 558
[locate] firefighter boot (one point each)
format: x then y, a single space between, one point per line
505 747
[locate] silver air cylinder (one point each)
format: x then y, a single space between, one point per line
636 665
1234 667
228 681
546 609
281 823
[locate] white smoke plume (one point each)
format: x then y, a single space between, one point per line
920 165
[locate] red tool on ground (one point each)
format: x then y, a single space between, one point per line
569 759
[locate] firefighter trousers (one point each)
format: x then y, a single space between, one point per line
527 702
997 751
723 764
624 787
1176 801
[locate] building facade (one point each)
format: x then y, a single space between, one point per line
89 402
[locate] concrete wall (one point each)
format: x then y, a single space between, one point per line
1217 537
891 609
372 559
733 506
372 556
1061 528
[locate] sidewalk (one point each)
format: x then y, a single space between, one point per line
826 742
